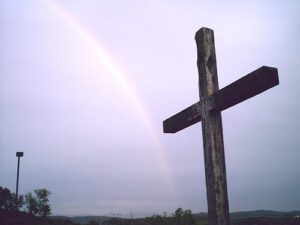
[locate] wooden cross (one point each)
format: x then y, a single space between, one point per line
208 110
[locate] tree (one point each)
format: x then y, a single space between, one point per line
38 203
8 200
188 218
31 204
19 202
178 213
43 201
184 217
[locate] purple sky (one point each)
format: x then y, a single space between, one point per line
85 86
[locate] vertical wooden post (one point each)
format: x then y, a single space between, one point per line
215 169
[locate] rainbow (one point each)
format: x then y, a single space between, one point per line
123 81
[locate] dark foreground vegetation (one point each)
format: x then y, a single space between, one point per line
186 218
24 218
35 204
267 221
38 209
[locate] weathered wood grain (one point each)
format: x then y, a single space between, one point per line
248 86
212 131
183 119
208 110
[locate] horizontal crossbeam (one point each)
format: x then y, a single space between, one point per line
248 86
183 119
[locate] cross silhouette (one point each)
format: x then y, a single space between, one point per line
208 110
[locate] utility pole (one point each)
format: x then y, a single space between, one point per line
18 154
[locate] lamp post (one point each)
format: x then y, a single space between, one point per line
18 154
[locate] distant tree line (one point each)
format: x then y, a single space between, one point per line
179 217
37 210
